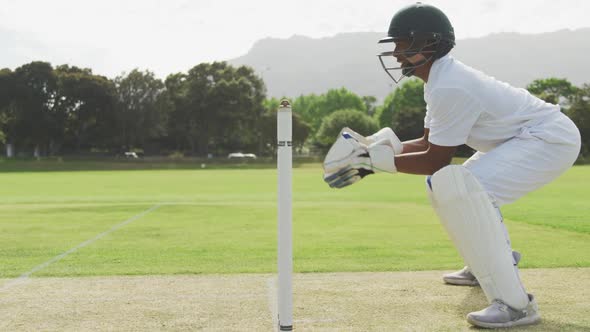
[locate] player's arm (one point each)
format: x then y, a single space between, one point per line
418 144
425 162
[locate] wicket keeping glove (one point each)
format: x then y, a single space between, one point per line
352 157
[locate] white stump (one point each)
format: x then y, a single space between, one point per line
285 240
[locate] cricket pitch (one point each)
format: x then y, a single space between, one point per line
387 301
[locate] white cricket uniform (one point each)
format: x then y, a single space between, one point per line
522 142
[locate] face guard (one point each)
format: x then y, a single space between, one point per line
420 52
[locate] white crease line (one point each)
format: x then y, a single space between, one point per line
230 202
272 302
25 276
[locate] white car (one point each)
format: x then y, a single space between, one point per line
249 156
239 155
131 155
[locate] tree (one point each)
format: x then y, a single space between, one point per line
409 123
242 97
217 107
2 135
35 91
179 120
553 90
354 119
301 131
6 100
314 109
141 109
409 95
579 112
369 102
6 87
84 114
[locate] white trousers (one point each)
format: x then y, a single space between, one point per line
538 155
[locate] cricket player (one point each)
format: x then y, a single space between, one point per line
522 143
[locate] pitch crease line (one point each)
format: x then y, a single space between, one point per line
25 276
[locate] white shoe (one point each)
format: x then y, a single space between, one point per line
500 315
464 277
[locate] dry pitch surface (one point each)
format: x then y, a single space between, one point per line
396 301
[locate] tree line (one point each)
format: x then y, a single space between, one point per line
211 110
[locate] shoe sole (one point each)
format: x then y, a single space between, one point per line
529 320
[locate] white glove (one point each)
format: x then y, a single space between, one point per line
346 144
348 141
388 134
350 159
360 138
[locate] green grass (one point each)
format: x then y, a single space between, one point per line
224 221
51 164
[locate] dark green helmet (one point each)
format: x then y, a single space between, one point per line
426 28
420 21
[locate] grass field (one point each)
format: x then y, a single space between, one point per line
205 221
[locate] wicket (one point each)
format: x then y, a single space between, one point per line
285 241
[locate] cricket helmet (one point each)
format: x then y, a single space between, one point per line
427 30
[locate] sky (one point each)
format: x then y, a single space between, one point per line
168 36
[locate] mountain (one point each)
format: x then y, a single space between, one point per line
302 65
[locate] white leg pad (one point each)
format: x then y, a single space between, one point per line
475 227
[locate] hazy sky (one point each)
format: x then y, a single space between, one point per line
111 36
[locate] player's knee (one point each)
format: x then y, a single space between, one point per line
452 181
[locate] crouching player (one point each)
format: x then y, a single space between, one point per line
522 143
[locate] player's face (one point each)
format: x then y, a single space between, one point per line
407 55
401 47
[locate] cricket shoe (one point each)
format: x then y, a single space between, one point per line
464 277
500 315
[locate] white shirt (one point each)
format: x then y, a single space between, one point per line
465 106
